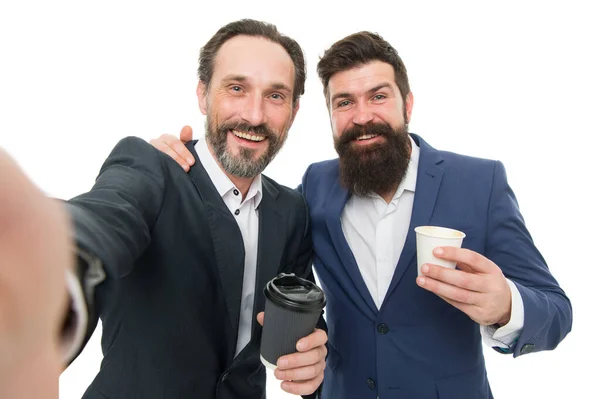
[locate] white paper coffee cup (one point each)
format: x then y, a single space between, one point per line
431 237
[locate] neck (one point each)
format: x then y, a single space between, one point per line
241 183
388 195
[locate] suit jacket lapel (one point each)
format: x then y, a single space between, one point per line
429 178
271 241
338 196
227 240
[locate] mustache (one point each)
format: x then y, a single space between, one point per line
262 130
353 133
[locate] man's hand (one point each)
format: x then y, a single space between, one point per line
35 252
175 148
477 287
302 372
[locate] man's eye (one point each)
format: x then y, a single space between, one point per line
378 97
344 103
236 88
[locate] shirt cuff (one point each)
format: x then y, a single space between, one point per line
506 336
75 326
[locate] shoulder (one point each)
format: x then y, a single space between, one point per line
289 202
329 167
133 144
284 194
452 161
462 161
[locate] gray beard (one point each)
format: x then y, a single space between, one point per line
242 165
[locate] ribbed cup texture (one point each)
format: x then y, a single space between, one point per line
282 329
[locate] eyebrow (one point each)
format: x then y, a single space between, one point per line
235 78
370 91
243 79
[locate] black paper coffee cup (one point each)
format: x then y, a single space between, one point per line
292 308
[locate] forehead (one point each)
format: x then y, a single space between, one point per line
362 78
256 58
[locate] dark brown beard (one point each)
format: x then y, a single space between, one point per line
376 168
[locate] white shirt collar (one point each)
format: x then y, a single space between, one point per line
220 180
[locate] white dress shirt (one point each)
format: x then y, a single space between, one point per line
376 232
245 213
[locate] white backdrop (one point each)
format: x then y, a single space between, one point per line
513 81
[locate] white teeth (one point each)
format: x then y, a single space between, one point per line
367 136
248 136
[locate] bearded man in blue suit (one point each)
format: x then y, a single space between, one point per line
390 337
392 333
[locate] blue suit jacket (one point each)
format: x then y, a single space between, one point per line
417 345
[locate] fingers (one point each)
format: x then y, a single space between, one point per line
301 359
186 134
311 370
304 387
302 372
179 147
261 318
449 291
174 148
469 310
314 340
484 296
159 145
458 278
468 260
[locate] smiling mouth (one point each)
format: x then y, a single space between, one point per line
248 136
366 137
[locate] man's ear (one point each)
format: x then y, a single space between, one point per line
202 93
408 106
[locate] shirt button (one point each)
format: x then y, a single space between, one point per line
237 212
370 383
383 329
236 192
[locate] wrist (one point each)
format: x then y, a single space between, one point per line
505 318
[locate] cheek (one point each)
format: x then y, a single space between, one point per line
393 116
224 110
339 124
278 118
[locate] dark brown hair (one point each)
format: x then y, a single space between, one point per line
250 27
359 49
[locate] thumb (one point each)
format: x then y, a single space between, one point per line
186 134
260 318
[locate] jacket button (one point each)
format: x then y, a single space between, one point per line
383 329
370 383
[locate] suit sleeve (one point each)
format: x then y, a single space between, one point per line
114 219
548 312
112 222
